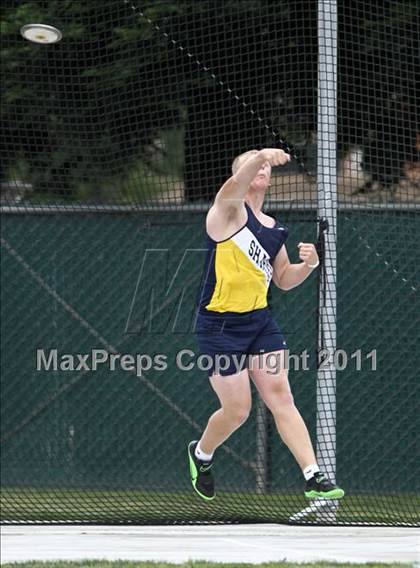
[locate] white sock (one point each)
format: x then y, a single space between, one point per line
310 471
202 455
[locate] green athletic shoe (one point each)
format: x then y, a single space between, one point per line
201 474
321 486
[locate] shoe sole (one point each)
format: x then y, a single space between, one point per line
194 475
333 494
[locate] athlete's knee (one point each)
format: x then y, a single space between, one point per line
237 414
281 402
286 400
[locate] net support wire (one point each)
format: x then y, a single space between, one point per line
325 510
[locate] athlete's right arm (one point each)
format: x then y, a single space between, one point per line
233 191
228 209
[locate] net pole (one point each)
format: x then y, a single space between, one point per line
327 213
261 457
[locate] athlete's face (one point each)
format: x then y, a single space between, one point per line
262 180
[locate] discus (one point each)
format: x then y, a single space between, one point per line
41 33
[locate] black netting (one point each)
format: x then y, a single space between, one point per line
114 142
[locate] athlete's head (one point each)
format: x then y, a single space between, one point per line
262 180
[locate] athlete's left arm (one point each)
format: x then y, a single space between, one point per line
287 275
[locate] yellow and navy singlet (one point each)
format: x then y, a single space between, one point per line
238 270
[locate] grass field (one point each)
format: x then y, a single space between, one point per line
142 507
197 564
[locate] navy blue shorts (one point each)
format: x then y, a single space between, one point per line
229 339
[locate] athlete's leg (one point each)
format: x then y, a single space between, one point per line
234 393
270 378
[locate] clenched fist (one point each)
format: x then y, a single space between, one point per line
307 253
275 156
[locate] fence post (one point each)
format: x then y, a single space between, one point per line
262 447
327 213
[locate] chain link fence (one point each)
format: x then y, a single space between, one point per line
114 143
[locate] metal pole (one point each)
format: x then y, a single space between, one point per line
327 231
327 210
262 447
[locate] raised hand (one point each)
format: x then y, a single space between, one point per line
275 156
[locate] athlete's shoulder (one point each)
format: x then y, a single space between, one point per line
220 226
269 221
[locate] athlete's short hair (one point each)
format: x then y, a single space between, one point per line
237 161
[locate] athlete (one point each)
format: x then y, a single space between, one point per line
235 327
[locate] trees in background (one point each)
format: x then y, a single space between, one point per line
82 112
